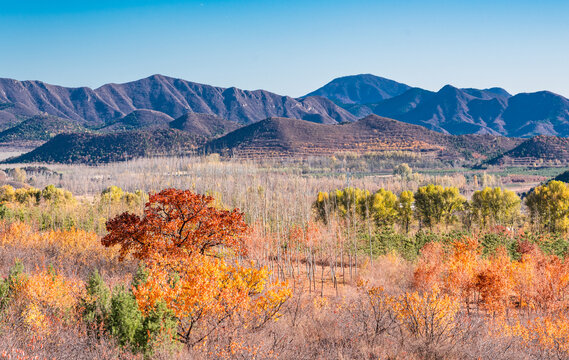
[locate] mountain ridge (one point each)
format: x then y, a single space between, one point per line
171 96
157 100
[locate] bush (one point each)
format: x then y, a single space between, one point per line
117 313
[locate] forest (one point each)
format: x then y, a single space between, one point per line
202 258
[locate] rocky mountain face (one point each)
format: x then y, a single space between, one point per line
172 97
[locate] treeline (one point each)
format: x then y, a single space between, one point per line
433 206
57 208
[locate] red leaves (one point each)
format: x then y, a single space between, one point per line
176 222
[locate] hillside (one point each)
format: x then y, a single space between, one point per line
203 125
289 137
537 150
140 120
40 128
563 177
173 97
360 89
102 148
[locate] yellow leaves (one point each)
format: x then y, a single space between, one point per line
321 303
202 289
550 333
49 298
35 318
549 206
492 206
429 317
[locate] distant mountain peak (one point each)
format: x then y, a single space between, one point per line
360 89
499 91
450 90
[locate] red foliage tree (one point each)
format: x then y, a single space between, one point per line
176 222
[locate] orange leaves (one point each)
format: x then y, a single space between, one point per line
428 272
548 333
552 333
176 222
49 298
463 265
78 244
455 273
177 237
202 291
495 282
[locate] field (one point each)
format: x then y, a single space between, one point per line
341 257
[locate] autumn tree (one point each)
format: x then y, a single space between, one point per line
383 207
404 171
185 241
176 223
436 205
494 281
404 208
430 319
495 206
549 206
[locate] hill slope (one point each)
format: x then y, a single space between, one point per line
40 128
467 111
154 101
289 137
537 150
97 148
452 110
140 120
540 113
203 125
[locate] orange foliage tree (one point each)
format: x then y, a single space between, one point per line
183 239
176 223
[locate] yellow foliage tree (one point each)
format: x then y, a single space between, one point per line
183 239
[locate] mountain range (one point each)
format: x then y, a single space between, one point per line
456 111
335 117
117 107
173 97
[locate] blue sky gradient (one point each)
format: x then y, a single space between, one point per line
289 47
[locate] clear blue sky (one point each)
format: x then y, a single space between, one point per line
289 47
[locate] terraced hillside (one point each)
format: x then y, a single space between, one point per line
277 137
539 150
